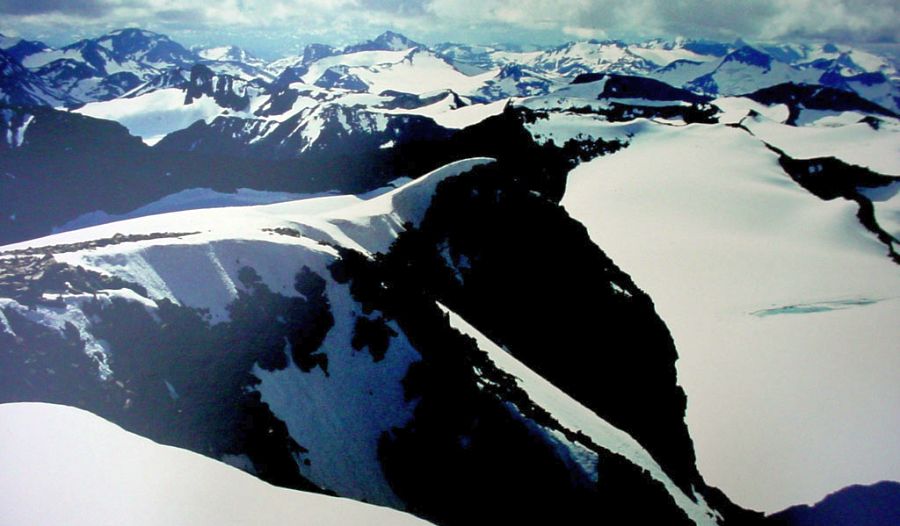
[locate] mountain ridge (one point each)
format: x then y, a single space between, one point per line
137 55
397 272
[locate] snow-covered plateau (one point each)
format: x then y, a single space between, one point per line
783 310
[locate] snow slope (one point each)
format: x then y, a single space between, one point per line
411 71
154 115
665 55
373 224
362 401
783 309
856 143
561 127
203 271
353 398
368 222
575 417
63 465
190 199
447 115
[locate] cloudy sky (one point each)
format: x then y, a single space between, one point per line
279 26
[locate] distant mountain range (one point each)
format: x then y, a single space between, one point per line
109 66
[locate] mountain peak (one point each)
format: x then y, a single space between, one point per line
130 33
139 44
750 56
387 41
313 52
19 86
395 41
229 53
22 48
513 71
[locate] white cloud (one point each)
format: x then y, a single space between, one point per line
860 20
584 33
473 20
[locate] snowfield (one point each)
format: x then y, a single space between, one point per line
854 143
443 113
783 309
410 71
190 199
154 115
63 465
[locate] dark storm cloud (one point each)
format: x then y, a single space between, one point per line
82 8
399 7
849 21
714 18
180 16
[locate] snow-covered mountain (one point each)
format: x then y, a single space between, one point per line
395 273
108 66
748 69
111 65
21 87
62 465
349 384
387 41
235 61
229 54
21 48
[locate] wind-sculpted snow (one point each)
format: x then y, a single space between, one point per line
187 200
375 223
66 466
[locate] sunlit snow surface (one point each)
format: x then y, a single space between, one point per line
190 199
409 71
154 115
62 465
856 143
783 308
